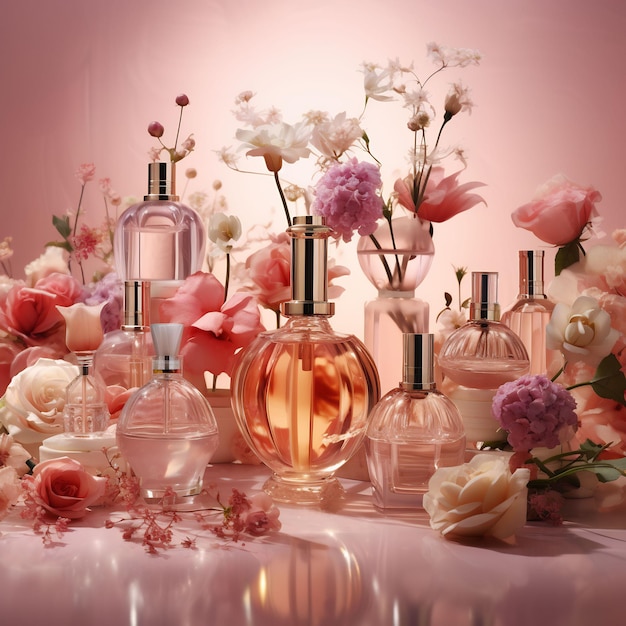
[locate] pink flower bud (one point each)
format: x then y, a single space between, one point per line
155 129
182 100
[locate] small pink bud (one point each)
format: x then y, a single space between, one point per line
156 129
182 100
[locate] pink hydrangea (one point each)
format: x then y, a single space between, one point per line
535 412
347 196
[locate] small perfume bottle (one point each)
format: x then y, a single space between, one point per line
167 432
530 314
479 357
413 430
124 357
160 239
302 394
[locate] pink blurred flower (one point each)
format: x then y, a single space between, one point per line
8 351
269 272
535 412
54 259
262 516
348 197
64 488
214 330
86 172
64 286
560 211
116 397
10 489
444 196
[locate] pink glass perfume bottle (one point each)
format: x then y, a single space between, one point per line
396 265
160 239
302 394
167 432
124 357
479 357
413 430
530 314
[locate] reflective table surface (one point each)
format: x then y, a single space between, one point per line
353 566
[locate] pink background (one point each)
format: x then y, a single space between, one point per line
82 79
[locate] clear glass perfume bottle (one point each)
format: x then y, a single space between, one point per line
413 430
302 394
167 432
530 314
479 357
160 239
125 356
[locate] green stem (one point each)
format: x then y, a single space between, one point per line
282 198
382 258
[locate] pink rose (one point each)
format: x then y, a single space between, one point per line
116 397
30 312
560 211
65 287
64 488
444 197
8 351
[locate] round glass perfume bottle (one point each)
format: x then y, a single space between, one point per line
413 430
479 357
167 432
302 394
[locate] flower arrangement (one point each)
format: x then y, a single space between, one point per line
349 192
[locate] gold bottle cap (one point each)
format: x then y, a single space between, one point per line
161 181
531 274
418 361
309 267
484 304
136 305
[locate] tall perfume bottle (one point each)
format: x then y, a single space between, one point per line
396 265
479 357
125 356
167 432
302 394
530 314
413 430
159 240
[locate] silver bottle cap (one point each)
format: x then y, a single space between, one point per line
309 267
161 181
484 304
136 305
531 274
166 339
418 361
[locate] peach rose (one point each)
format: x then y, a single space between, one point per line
10 489
64 488
30 313
65 287
560 211
479 498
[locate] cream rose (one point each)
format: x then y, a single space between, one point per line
479 498
34 401
10 489
581 332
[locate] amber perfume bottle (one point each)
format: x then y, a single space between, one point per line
159 240
167 432
531 312
413 430
479 357
302 394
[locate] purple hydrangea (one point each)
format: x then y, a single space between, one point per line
108 289
347 196
534 411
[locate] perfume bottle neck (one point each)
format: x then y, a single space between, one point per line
531 274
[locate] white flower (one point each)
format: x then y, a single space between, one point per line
12 454
54 259
453 57
458 100
581 332
277 142
479 498
35 399
10 489
377 82
334 137
224 230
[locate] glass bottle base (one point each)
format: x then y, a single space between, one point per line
300 492
172 496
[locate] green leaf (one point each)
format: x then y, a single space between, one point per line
62 224
465 304
567 255
609 381
605 473
61 244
